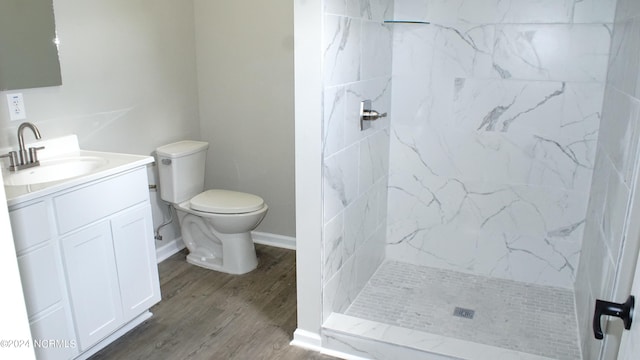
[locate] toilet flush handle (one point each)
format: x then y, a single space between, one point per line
165 161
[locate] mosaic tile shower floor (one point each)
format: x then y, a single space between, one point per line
517 316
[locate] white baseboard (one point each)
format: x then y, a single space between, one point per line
306 340
312 341
281 241
168 249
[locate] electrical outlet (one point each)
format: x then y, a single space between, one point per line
16 107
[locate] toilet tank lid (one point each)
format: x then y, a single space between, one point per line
181 148
226 202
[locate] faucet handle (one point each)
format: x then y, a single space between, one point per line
13 159
33 154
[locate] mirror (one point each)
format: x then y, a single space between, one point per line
28 53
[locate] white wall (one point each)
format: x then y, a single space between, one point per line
129 80
615 173
245 87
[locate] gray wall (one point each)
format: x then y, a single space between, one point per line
245 87
129 80
130 84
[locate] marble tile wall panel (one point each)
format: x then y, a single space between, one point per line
497 107
357 66
342 56
513 11
552 52
614 174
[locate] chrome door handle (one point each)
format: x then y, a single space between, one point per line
623 311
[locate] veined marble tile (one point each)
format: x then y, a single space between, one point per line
439 222
537 260
540 11
627 9
594 11
558 162
376 49
410 10
615 213
360 220
382 201
335 7
376 10
334 254
374 160
582 110
342 54
496 11
508 106
340 181
431 150
349 8
549 261
556 52
453 49
333 125
599 185
619 136
340 290
415 103
412 54
370 255
625 56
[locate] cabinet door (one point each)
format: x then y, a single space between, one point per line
136 260
93 284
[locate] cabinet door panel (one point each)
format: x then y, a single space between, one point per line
53 327
93 284
136 260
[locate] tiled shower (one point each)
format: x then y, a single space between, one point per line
483 168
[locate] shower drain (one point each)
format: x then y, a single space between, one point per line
463 313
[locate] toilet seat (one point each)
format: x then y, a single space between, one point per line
226 202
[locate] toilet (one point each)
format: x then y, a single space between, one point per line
216 224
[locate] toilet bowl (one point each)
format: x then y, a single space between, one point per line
216 224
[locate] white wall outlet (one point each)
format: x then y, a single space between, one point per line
16 107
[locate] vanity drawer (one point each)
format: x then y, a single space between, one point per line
40 278
98 200
30 225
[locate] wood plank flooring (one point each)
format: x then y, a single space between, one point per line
206 314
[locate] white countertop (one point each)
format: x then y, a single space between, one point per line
115 163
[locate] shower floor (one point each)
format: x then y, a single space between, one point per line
527 318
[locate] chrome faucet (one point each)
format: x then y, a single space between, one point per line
23 159
23 152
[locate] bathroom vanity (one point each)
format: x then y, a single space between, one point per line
85 250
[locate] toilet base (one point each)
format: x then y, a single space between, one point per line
220 242
213 263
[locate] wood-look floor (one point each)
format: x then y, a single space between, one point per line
206 314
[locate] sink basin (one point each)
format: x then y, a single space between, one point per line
55 169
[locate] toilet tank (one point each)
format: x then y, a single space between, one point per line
181 170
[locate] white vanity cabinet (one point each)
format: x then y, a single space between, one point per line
43 279
88 261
